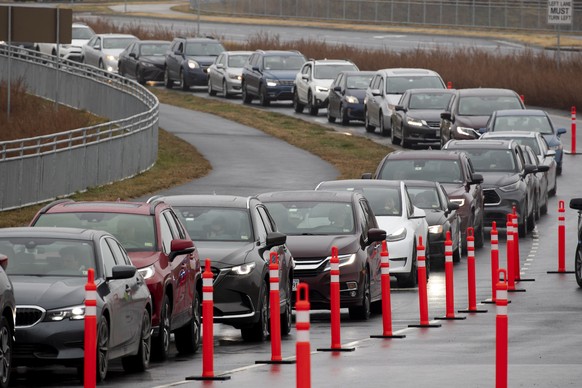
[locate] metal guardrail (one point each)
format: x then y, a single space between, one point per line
498 14
38 169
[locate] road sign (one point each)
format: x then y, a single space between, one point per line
560 12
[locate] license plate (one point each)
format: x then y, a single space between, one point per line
295 283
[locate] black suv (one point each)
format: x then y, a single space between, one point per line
270 75
508 180
188 59
451 169
576 204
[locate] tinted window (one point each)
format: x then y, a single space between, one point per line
237 60
283 62
211 223
398 85
312 218
331 71
443 171
429 101
358 81
204 49
166 235
107 257
486 105
424 197
523 123
157 49
484 160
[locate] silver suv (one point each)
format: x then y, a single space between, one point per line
386 89
312 83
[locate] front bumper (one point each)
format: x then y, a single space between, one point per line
421 135
196 77
281 92
152 73
321 99
400 255
355 111
498 204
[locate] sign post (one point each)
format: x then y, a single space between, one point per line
559 13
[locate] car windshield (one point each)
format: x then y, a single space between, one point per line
283 62
216 223
34 256
484 160
398 85
384 201
486 105
437 101
237 61
204 49
526 141
312 218
331 71
425 197
82 33
135 232
539 124
117 43
154 49
443 171
359 82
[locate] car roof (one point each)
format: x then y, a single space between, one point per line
69 206
417 183
520 112
403 71
279 52
356 72
481 143
308 195
486 92
332 61
53 232
501 134
200 40
424 154
431 90
232 201
358 184
140 42
238 52
112 35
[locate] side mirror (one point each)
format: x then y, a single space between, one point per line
3 261
543 168
180 247
132 55
551 153
400 108
220 66
367 175
337 89
418 213
275 238
452 206
97 47
446 116
529 169
561 131
482 130
576 204
376 92
177 52
122 272
305 77
256 68
477 179
376 235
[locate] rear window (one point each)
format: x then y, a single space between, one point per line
312 218
443 171
398 85
486 105
484 160
523 123
204 49
331 71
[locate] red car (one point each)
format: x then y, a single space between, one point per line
159 246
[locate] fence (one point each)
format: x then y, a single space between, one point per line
38 169
498 14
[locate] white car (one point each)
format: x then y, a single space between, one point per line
395 213
312 83
225 74
103 50
386 89
81 33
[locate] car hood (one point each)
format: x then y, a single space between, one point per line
204 61
425 114
288 75
358 93
324 83
454 190
143 259
224 254
498 179
435 217
49 292
78 42
155 59
114 52
390 223
393 99
320 246
551 139
474 122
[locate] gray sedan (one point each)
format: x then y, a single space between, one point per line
224 75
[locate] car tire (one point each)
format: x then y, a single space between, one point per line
480 234
457 254
313 110
383 131
259 331
287 316
395 140
263 98
246 98
369 127
102 349
555 189
330 117
411 279
544 207
363 312
101 65
168 83
531 219
225 92
6 348
183 83
578 266
211 92
559 170
187 338
297 105
161 342
344 115
140 362
522 226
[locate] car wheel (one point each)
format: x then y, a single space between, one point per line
183 83
395 140
522 226
330 117
286 316
161 343
411 279
480 234
259 331
578 266
211 92
141 361
225 92
6 338
139 76
246 98
555 189
102 349
544 207
457 254
344 115
363 311
297 105
383 131
168 83
263 98
313 110
369 127
187 338
531 220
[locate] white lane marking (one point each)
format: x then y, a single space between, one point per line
388 36
511 44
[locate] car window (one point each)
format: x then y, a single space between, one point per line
266 220
525 141
215 223
398 85
485 160
364 219
208 49
82 33
237 61
171 224
444 198
283 62
538 124
166 235
117 43
438 101
153 49
331 71
443 171
486 105
121 257
425 197
376 82
312 218
107 257
360 82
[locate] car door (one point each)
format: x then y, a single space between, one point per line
335 96
367 220
174 59
418 223
302 82
452 216
376 102
253 74
216 72
92 53
547 160
133 59
447 118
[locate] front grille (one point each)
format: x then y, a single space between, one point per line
27 316
286 83
491 197
434 124
309 266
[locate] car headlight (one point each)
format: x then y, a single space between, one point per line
460 201
147 272
466 131
193 64
415 122
511 187
400 234
234 76
147 64
243 269
352 100
272 82
65 46
556 147
111 58
321 89
71 313
343 260
435 229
